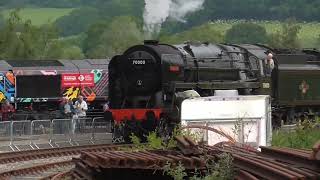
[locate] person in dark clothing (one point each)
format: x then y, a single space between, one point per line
7 109
62 107
108 116
69 109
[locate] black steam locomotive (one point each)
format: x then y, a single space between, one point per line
145 81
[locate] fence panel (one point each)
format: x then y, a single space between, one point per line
61 132
5 127
40 133
20 131
101 129
37 134
81 130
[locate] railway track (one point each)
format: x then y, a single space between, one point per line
108 161
44 171
12 157
46 162
250 164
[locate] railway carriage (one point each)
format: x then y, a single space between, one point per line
43 83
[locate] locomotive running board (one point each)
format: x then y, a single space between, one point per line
217 85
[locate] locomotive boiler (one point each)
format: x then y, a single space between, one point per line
148 82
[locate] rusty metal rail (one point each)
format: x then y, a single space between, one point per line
12 157
57 176
291 156
35 170
41 155
270 163
106 161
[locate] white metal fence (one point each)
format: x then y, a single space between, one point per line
53 133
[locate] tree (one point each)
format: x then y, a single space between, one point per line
72 52
203 33
122 33
317 43
93 35
287 37
114 8
78 21
2 21
22 40
246 33
15 38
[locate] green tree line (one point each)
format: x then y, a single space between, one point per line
301 10
21 40
224 9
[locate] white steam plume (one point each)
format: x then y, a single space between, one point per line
180 8
157 11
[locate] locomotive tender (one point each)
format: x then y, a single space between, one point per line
146 82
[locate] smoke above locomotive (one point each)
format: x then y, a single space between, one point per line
157 11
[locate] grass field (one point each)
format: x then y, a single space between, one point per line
308 35
40 16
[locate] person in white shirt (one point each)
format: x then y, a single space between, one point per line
81 107
106 107
270 63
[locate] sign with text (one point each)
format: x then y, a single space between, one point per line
77 80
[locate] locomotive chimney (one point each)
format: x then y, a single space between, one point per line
152 42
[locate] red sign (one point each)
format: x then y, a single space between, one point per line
77 80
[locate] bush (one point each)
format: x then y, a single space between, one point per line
246 33
304 137
203 33
287 37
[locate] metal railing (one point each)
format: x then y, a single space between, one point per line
19 130
100 126
40 129
5 134
53 133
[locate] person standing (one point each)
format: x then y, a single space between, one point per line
62 108
81 107
107 114
7 109
80 111
69 109
269 63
